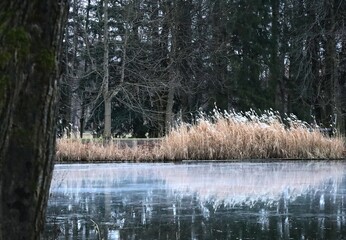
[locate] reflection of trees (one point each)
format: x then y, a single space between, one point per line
232 184
209 201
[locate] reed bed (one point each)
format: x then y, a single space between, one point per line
76 150
231 135
223 136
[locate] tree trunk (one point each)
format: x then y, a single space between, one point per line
169 108
30 37
330 77
108 119
275 76
106 97
341 101
74 80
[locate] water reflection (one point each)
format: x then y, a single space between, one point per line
198 201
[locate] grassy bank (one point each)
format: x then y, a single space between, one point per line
220 137
76 150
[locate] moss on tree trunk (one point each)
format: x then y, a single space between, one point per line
30 34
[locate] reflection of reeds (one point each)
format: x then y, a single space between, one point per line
235 183
243 184
221 137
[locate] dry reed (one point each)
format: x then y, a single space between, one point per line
223 136
75 150
249 136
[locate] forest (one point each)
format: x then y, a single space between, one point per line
140 66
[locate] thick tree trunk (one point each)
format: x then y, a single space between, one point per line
29 43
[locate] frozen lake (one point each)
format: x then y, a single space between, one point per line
211 200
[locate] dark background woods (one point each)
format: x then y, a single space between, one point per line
152 62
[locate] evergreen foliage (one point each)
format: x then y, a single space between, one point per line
185 56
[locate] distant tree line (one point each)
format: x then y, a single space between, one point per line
137 66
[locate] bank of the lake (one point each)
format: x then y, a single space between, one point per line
222 137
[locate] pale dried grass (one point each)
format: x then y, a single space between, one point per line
234 136
75 150
220 137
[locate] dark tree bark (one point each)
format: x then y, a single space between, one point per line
274 65
219 85
30 34
330 76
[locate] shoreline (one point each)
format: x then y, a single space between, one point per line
270 160
228 137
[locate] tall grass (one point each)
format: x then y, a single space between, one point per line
75 150
231 135
223 136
